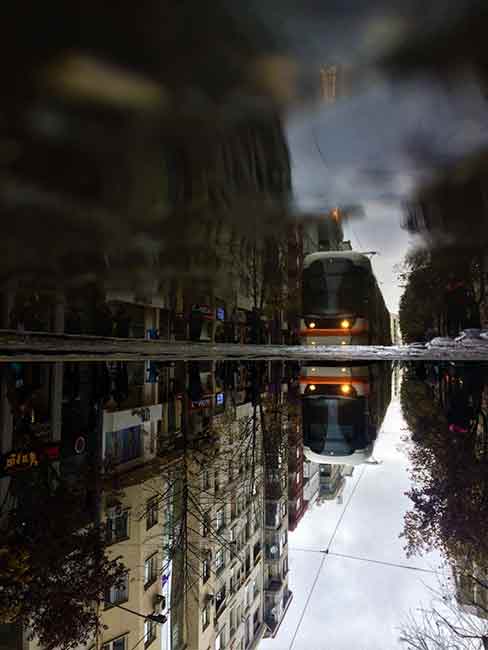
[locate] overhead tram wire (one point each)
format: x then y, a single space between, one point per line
325 553
381 562
322 158
363 559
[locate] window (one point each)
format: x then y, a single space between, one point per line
117 527
298 478
220 519
284 538
257 551
116 644
206 525
206 480
247 598
149 632
118 593
219 560
255 589
151 513
205 617
256 522
248 561
299 503
283 509
205 570
123 445
248 528
220 640
220 598
285 567
217 484
247 637
298 452
150 570
256 620
232 621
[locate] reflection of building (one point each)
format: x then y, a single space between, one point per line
332 481
311 482
225 605
335 82
136 521
296 501
396 337
238 520
472 590
277 596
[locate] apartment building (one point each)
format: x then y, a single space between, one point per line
225 607
311 482
471 589
296 501
335 82
136 519
277 595
331 482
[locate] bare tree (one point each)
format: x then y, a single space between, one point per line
457 618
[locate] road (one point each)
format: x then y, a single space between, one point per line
50 347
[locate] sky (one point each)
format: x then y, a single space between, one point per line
341 603
373 150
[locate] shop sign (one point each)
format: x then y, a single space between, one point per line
18 461
203 403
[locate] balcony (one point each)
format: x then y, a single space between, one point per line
274 584
275 611
272 518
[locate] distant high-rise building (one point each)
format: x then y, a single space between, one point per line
396 336
335 82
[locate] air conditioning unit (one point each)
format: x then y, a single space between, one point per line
273 550
159 603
